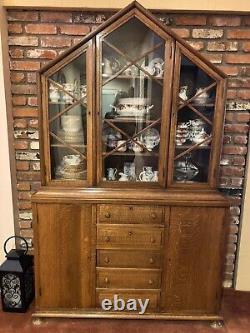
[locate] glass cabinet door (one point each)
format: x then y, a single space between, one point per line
194 116
67 119
131 102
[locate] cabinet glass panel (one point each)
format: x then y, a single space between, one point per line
131 103
193 137
67 121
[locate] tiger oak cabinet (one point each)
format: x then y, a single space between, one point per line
131 123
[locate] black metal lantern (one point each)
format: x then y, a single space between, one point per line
17 279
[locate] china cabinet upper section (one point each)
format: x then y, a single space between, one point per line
132 105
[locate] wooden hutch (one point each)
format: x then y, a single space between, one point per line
131 125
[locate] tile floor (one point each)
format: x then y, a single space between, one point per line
236 310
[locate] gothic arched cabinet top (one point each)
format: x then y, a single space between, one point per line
132 105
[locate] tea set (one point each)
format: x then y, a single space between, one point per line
185 169
192 131
57 95
129 174
71 167
132 107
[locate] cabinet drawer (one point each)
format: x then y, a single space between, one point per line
128 278
129 236
152 295
128 258
130 214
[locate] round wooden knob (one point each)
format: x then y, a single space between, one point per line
106 280
107 215
106 259
152 240
107 239
153 215
150 282
130 233
151 260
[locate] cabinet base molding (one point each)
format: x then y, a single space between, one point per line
124 315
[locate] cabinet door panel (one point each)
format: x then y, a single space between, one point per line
194 260
64 255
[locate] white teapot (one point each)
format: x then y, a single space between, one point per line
123 178
147 174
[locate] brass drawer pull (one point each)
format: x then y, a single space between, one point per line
130 233
153 215
152 240
151 260
106 260
107 215
150 282
106 280
107 239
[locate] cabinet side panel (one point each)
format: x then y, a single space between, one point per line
64 255
194 260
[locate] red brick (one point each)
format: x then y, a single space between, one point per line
236 128
32 101
20 123
76 40
196 45
227 139
24 205
15 28
26 233
230 116
238 34
21 144
231 94
220 21
237 58
74 29
31 175
24 195
25 112
24 89
181 32
246 46
58 41
239 83
23 65
22 166
31 77
232 171
29 16
242 117
56 17
246 20
41 53
23 186
41 29
16 53
23 40
243 94
214 58
234 150
240 139
190 20
33 123
207 33
230 70
19 100
236 182
239 160
17 77
216 46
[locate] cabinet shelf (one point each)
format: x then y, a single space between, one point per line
190 146
119 153
130 120
74 145
129 77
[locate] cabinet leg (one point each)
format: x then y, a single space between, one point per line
38 321
217 324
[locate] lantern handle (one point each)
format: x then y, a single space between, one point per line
26 243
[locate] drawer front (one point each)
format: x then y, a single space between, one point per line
130 214
152 295
129 236
128 258
128 278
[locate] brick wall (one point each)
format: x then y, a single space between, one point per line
35 37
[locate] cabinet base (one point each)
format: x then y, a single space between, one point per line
115 315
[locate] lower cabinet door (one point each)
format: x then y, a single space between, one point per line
194 260
64 269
